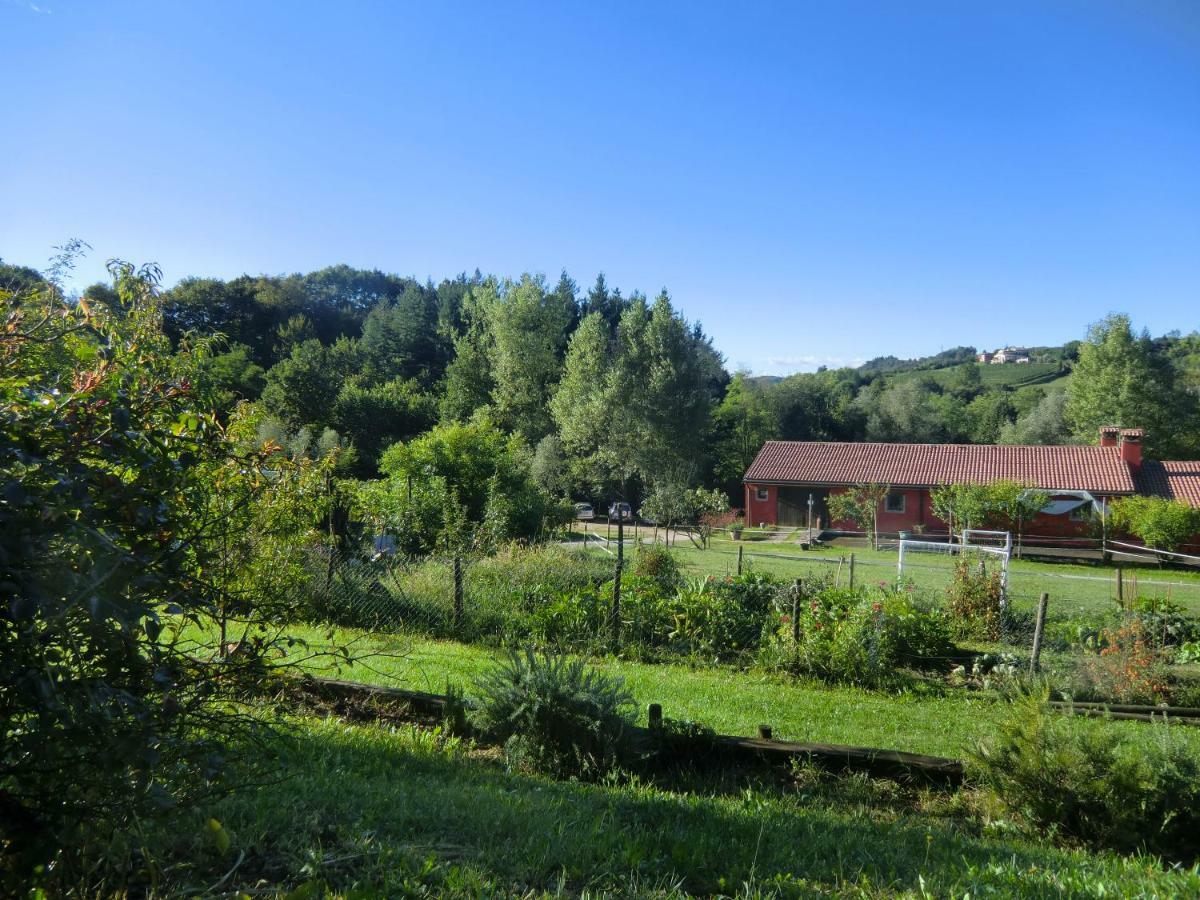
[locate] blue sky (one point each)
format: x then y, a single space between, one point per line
815 182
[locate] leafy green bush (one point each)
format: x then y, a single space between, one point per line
860 636
555 715
1094 784
973 597
1163 622
717 619
1158 521
658 564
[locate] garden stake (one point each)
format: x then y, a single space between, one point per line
1038 627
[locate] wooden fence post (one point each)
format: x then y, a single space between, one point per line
740 549
1038 628
458 591
851 582
796 612
1120 588
654 717
764 732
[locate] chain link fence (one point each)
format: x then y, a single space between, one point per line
736 603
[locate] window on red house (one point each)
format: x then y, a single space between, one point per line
894 503
760 494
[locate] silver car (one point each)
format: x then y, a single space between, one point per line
584 512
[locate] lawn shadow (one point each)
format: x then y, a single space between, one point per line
528 832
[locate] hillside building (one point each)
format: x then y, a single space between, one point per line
1079 478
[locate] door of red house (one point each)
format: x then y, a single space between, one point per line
792 506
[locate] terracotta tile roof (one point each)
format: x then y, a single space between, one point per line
1171 478
1085 468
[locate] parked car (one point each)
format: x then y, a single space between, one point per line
620 510
584 512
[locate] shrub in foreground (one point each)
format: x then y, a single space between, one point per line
1093 784
555 715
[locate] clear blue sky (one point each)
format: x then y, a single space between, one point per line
815 182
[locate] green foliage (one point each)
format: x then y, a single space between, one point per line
400 338
1043 423
380 415
710 619
742 423
302 388
555 715
1092 784
1001 505
233 376
859 504
636 402
124 516
973 599
1157 521
1121 380
458 487
860 636
529 327
656 563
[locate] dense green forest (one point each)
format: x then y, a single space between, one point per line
600 394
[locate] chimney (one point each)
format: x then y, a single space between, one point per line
1108 435
1131 447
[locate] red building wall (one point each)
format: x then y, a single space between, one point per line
918 511
761 512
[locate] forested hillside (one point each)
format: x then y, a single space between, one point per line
598 393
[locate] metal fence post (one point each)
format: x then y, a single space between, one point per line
740 549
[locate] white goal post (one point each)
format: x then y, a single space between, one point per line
1002 553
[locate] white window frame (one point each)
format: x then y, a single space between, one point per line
762 494
887 502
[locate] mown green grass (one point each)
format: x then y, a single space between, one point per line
728 700
368 811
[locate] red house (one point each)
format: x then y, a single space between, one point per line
786 475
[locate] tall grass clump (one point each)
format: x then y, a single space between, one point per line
555 715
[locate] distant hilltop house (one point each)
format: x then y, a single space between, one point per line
787 474
1007 355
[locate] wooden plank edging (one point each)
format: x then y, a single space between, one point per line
881 763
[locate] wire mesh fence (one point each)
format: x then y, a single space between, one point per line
741 604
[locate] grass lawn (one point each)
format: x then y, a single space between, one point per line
366 811
728 700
